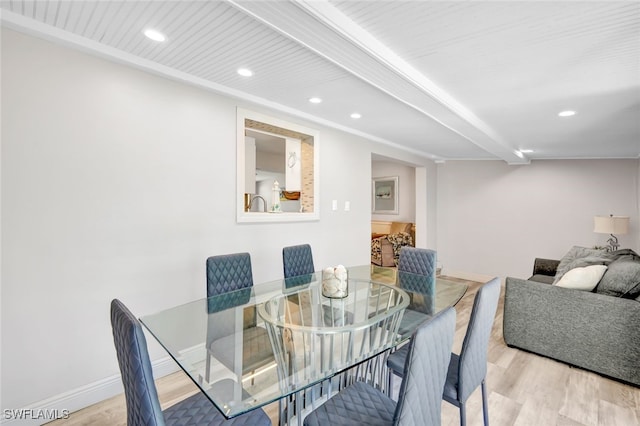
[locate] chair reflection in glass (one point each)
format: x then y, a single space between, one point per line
230 280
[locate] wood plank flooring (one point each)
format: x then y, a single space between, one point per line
524 390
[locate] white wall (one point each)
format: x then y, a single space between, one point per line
494 219
406 193
118 183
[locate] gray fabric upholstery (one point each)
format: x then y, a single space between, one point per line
297 260
577 257
395 361
143 406
198 410
621 279
472 366
228 272
588 330
417 275
542 278
417 261
256 346
358 404
425 371
466 371
224 301
297 283
419 401
229 284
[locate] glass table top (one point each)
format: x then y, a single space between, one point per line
250 347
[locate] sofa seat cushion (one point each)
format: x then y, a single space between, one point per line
622 278
547 279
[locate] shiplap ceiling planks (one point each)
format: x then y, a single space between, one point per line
445 80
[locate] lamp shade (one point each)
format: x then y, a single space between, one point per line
611 224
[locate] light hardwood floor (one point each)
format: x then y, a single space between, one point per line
524 389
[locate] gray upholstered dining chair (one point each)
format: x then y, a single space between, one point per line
297 260
416 274
417 261
228 272
420 398
141 395
468 370
230 279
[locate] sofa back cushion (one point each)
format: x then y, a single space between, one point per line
579 257
622 278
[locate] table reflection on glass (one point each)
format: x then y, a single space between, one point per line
251 347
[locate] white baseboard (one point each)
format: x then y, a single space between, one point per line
44 411
468 276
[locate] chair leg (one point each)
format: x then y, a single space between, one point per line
207 371
463 415
485 403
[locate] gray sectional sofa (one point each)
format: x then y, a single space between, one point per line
596 330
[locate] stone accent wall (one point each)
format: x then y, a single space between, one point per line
306 195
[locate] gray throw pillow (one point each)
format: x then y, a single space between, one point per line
579 257
622 279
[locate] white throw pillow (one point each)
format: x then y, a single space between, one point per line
585 278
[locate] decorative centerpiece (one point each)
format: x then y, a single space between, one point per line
335 282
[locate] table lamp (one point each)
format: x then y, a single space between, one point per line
611 225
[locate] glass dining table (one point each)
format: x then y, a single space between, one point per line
251 347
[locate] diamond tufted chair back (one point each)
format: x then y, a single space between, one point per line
297 260
417 261
143 407
425 371
469 369
228 272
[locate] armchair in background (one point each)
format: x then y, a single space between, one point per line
387 238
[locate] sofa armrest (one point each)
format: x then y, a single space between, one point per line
545 266
589 330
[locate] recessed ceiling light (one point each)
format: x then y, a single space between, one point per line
567 113
315 100
245 72
154 35
356 115
526 151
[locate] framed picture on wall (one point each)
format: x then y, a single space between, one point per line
385 195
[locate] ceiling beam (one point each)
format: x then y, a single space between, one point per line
322 28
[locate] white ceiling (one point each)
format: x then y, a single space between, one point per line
442 79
